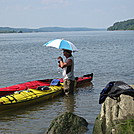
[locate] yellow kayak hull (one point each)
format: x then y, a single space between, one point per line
28 97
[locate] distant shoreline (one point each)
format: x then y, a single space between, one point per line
47 29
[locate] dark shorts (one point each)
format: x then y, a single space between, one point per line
68 86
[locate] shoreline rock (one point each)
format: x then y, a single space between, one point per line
116 116
68 123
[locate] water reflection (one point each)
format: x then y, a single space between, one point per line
69 103
85 84
85 87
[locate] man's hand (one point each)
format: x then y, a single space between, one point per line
60 59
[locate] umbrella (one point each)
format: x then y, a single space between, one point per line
62 44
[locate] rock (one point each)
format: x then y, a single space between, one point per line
116 116
68 123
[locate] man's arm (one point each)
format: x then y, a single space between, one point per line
64 64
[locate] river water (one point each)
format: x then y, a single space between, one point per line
109 55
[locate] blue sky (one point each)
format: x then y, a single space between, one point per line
64 13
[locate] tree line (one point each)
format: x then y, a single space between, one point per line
123 25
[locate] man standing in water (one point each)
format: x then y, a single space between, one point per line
68 71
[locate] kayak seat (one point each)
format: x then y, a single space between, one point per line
42 88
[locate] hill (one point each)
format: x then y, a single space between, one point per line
123 25
45 29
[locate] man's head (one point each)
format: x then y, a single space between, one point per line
67 53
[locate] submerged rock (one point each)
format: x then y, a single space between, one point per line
116 116
68 123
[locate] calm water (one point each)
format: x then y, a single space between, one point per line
109 55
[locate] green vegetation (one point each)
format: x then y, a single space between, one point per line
8 31
126 127
123 25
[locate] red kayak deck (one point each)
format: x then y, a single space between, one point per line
37 83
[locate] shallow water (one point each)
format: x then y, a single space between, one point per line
109 55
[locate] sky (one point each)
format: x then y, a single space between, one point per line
64 13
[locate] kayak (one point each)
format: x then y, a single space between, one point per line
30 96
24 86
36 83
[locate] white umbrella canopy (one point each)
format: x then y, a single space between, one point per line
62 44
